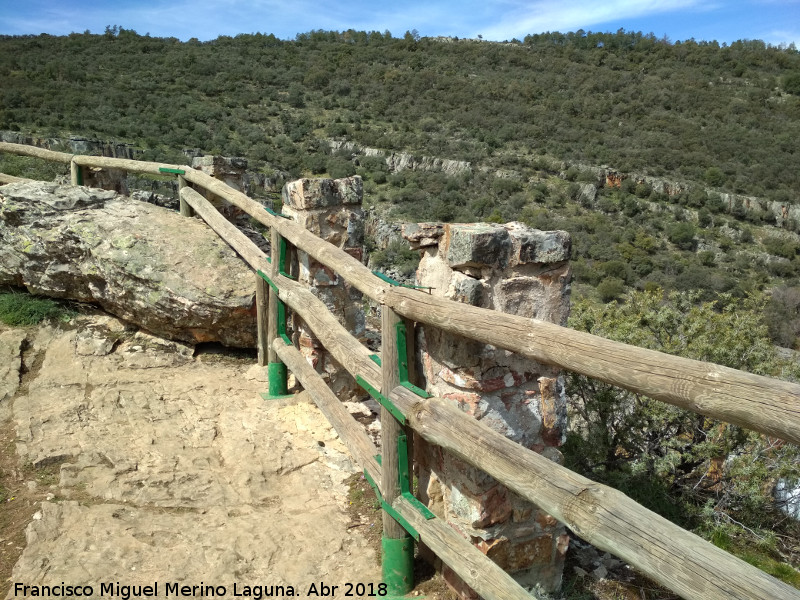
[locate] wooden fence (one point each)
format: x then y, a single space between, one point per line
671 556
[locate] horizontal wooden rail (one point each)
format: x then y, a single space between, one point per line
601 515
4 179
768 405
679 560
24 150
482 575
332 257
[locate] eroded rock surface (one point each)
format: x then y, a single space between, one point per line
175 469
168 274
11 344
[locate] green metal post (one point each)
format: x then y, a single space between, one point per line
277 379
276 327
398 565
397 545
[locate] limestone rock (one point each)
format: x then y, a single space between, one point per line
168 274
422 235
535 246
477 245
307 193
11 344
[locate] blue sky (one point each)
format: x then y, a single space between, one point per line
774 21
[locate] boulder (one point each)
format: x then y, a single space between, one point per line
168 274
309 194
477 245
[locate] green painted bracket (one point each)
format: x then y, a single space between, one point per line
405 479
382 400
376 359
388 279
402 361
282 322
281 309
284 250
268 280
80 175
388 508
379 458
276 214
405 489
173 171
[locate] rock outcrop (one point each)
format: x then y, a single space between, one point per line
168 274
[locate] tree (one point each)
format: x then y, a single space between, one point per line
682 235
610 289
791 83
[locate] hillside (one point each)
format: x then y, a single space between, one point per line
670 164
698 111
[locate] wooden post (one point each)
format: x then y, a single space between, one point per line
186 210
262 319
76 173
397 545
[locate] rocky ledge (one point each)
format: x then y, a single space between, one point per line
148 265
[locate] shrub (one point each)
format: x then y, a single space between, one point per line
682 235
791 83
780 246
21 309
714 177
397 255
627 440
339 167
610 289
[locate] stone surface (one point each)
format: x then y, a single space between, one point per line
11 345
171 275
331 210
476 245
422 235
305 194
178 472
517 270
535 246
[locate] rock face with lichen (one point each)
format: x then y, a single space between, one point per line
166 273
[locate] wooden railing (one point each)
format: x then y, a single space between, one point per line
671 556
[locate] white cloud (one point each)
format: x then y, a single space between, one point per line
785 37
552 15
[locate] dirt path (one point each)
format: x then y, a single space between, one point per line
156 467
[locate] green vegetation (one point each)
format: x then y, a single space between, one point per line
671 460
20 309
397 256
698 113
633 101
31 168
